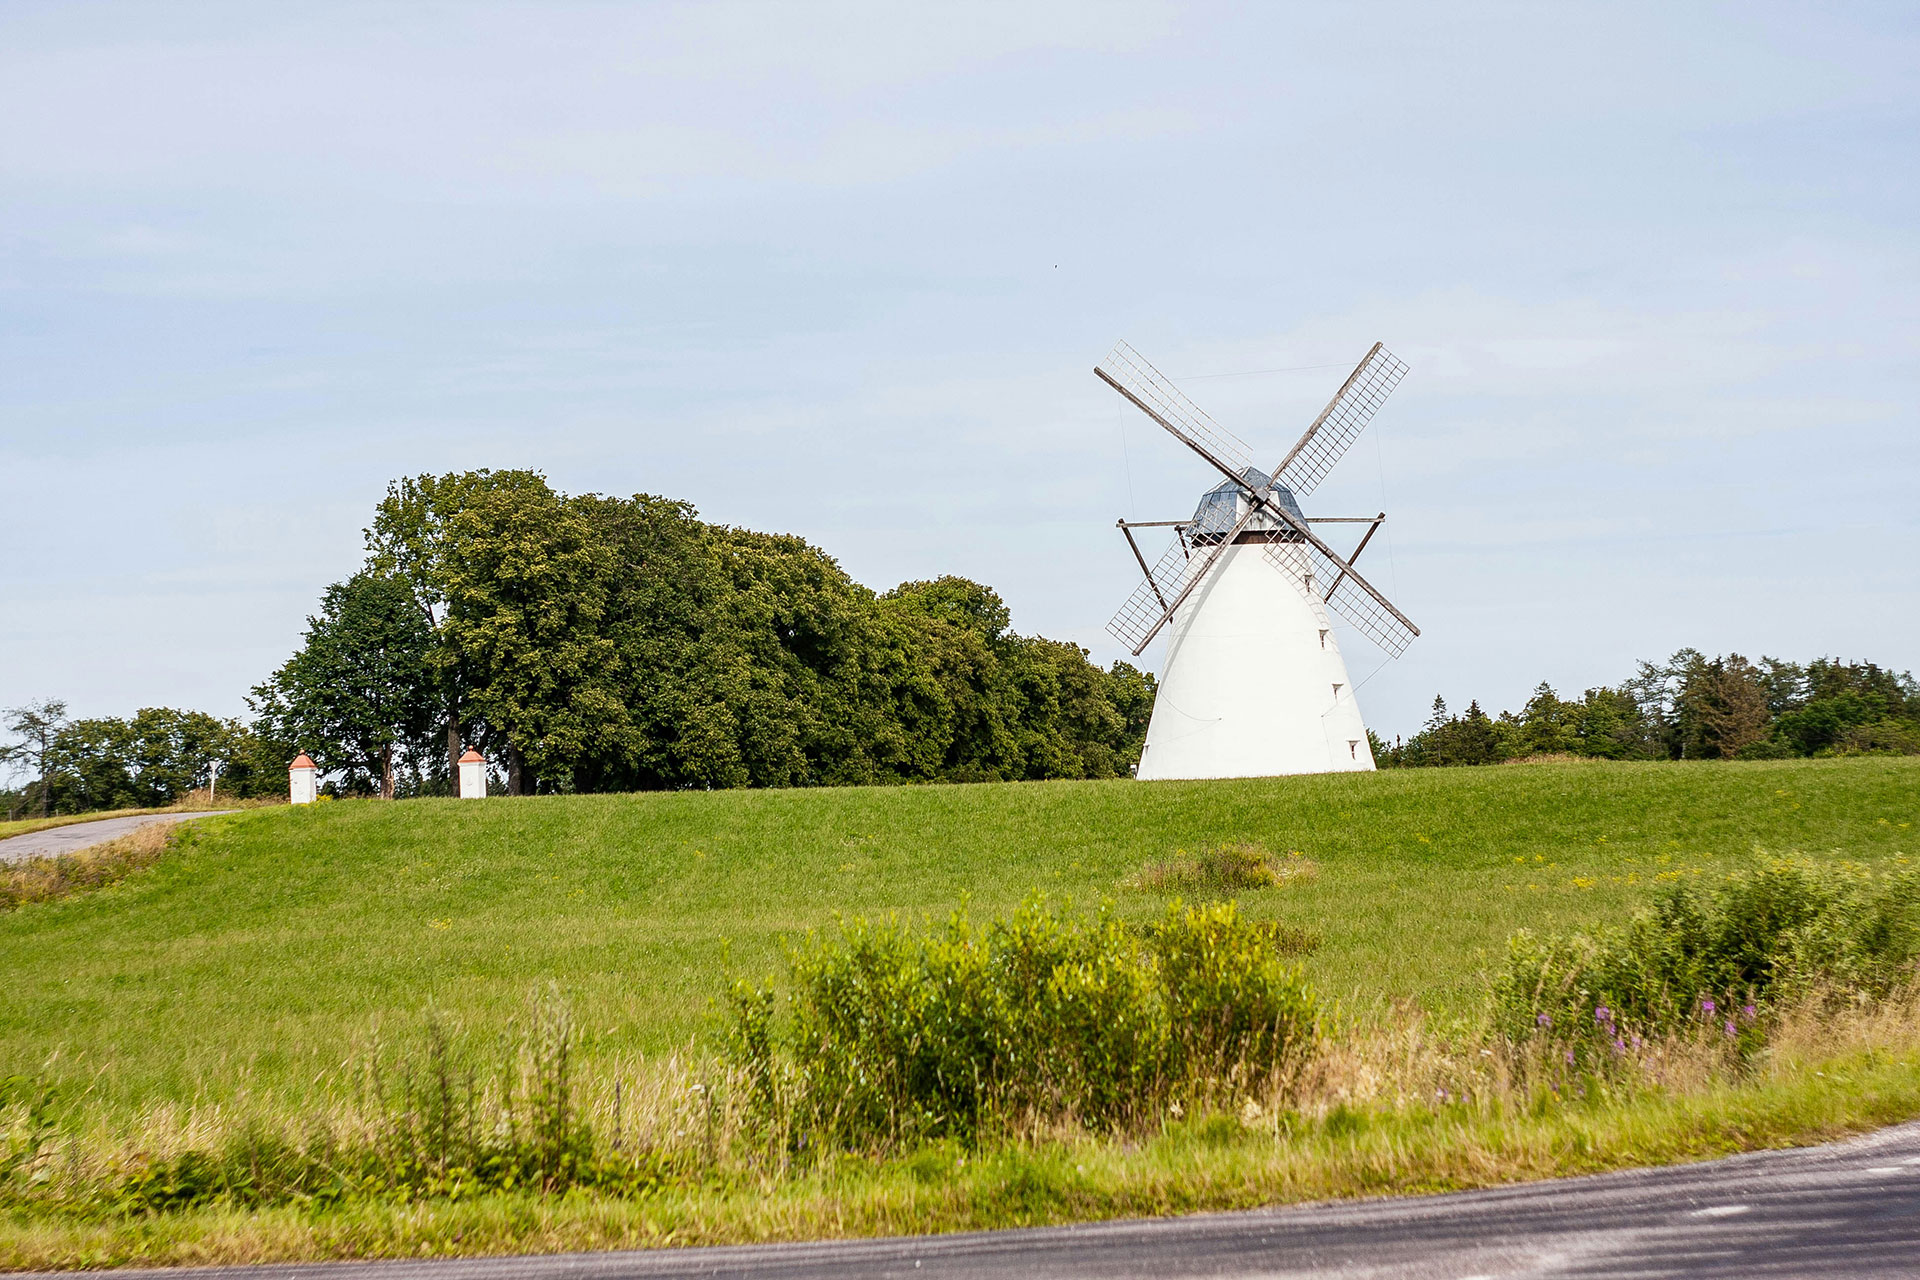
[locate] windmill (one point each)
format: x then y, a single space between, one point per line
1253 684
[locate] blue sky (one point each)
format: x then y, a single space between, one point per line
843 270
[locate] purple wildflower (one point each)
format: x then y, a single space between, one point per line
1707 1007
1544 1020
1747 1011
1730 1030
1569 1057
1603 1014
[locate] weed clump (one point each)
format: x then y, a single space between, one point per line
1221 869
892 1035
1714 961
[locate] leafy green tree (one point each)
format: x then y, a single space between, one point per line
1384 756
952 691
360 693
152 760
678 667
526 586
1849 707
412 539
1609 726
601 643
1547 724
35 726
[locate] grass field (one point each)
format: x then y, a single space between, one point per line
262 953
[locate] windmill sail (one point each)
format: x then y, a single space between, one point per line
1130 374
1174 575
1347 593
1342 421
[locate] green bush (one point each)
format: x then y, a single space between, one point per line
1715 960
892 1035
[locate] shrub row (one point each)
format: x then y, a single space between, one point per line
1715 959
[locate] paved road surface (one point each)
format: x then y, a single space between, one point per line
1851 1209
58 840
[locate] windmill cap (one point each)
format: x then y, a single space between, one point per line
1219 505
301 761
472 757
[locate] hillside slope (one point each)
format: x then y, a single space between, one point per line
271 947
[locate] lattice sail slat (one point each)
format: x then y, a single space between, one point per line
1342 421
1324 582
1130 369
1147 608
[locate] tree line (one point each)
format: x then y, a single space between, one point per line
147 761
588 643
1690 707
591 643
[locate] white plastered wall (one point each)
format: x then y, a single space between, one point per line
1253 684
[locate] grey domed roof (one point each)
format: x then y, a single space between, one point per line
1220 507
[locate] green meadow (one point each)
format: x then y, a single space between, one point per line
272 946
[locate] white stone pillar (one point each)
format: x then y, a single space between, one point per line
473 776
303 780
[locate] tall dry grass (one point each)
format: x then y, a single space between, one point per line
45 879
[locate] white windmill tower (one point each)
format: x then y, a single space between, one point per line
1253 684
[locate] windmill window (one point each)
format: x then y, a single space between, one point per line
1323 637
1353 747
1336 690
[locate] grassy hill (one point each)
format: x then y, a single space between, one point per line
271 947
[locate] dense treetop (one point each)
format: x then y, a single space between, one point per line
589 643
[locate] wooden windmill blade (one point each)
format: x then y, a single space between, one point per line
1341 422
1173 577
1314 567
1187 422
1347 593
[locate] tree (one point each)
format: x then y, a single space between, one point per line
36 724
1384 756
361 688
1721 707
412 539
1473 738
677 666
1848 706
1610 726
153 759
527 585
1547 725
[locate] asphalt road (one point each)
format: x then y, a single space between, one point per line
1850 1209
55 841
